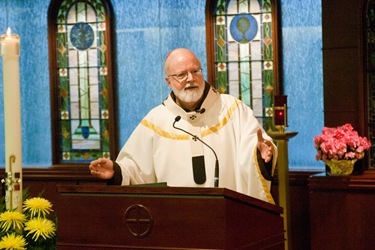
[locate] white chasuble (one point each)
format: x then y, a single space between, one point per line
158 152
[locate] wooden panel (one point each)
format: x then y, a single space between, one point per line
299 210
341 79
334 118
345 100
340 23
342 211
341 60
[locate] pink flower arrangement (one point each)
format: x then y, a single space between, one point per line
341 143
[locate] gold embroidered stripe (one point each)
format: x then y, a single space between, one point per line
263 181
223 122
164 133
206 132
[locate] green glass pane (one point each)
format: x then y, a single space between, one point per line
104 93
61 50
102 48
268 93
99 10
222 81
266 5
267 42
64 93
220 43
65 135
105 135
245 91
220 7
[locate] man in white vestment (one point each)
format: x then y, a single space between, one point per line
195 130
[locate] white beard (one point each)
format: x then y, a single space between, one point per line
189 95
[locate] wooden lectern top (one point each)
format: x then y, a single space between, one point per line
167 191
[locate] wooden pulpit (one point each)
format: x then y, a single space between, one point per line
144 217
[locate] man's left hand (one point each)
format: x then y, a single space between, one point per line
265 147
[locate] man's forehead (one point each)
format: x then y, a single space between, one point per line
175 53
172 55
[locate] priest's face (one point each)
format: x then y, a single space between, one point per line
184 77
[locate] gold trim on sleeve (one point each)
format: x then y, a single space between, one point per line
262 180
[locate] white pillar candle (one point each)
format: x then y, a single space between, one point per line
10 52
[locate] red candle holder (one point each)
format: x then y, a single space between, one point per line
280 112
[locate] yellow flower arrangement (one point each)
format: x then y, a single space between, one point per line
12 219
37 206
13 241
31 229
40 227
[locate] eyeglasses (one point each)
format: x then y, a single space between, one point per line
181 77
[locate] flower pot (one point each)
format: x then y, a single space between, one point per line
340 167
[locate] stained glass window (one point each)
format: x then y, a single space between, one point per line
83 82
370 30
244 54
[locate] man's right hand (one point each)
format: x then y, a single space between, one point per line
102 168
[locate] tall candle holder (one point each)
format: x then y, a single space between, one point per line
281 137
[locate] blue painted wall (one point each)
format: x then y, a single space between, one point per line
303 78
145 31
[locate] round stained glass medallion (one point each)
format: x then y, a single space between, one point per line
243 28
82 36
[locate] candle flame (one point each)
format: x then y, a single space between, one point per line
9 31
